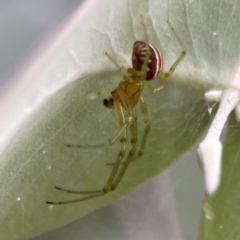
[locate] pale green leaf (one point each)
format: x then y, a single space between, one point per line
37 158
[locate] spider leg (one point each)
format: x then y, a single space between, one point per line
117 163
123 127
97 193
179 59
145 115
124 165
120 69
151 89
78 192
76 200
144 26
105 144
146 120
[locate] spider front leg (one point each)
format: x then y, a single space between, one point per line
118 106
146 120
125 125
97 193
117 136
179 59
152 89
156 63
133 140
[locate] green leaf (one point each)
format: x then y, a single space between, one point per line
37 158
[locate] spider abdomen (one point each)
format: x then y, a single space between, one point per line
155 61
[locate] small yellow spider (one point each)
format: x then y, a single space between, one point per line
147 65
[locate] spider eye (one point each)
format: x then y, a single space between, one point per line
109 103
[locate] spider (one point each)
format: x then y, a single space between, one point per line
147 64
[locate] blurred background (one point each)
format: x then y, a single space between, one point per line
24 25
